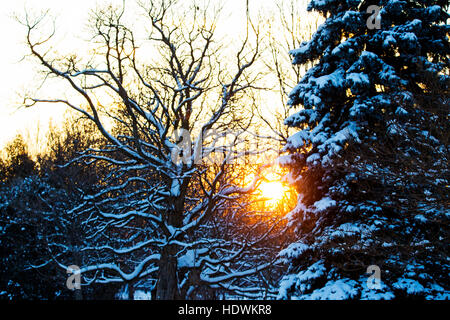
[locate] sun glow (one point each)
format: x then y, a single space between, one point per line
272 190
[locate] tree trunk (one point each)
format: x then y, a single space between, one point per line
167 286
131 290
78 294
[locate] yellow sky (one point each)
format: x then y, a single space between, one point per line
18 75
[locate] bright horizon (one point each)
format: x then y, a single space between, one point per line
21 73
71 17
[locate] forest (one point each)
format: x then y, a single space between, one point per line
297 150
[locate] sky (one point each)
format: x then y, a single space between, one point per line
19 74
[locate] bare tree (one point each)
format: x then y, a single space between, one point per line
285 33
161 211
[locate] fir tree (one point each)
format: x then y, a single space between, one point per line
370 161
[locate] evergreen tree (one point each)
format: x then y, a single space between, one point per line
37 228
18 162
370 159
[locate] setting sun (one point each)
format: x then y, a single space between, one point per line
273 191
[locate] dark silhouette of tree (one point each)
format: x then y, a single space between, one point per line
35 222
17 162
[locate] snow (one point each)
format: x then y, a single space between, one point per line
175 188
389 41
439 296
346 229
324 204
142 295
334 80
301 281
358 80
298 140
341 289
313 159
139 294
300 51
352 18
433 12
285 160
421 218
294 250
191 258
381 293
410 286
401 111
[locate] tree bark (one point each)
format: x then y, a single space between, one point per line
167 285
